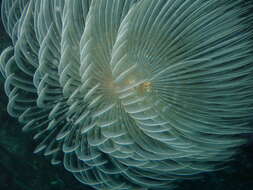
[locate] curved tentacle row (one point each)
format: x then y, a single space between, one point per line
131 94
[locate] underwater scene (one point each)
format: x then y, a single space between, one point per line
126 94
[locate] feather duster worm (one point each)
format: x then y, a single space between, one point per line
131 94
